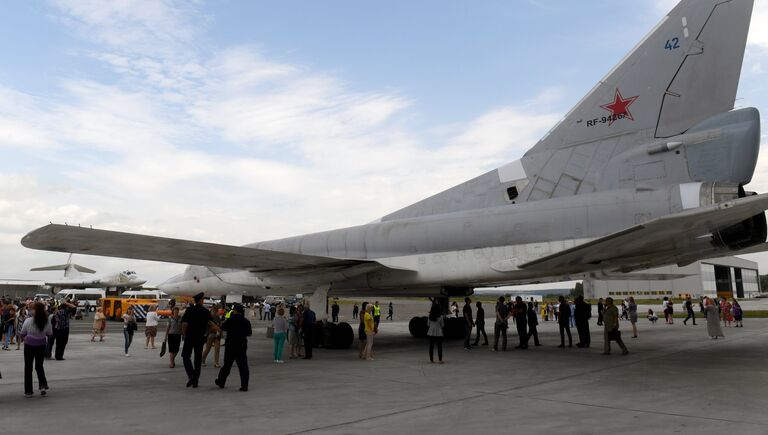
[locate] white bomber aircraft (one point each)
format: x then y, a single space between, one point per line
76 276
648 169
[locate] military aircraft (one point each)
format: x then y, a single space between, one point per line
75 277
648 169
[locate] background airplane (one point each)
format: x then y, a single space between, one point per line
77 276
648 169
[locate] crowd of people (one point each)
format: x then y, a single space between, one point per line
43 327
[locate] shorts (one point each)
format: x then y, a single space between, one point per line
150 331
174 342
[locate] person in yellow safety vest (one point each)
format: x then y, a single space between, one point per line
376 314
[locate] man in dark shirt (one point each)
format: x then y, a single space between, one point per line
688 304
519 311
335 312
533 321
194 327
582 313
308 326
468 323
500 327
600 309
235 351
563 320
480 324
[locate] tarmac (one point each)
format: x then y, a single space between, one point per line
675 380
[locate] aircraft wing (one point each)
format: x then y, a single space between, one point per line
663 238
62 238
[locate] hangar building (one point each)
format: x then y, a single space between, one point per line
727 276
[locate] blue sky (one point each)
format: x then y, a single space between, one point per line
238 121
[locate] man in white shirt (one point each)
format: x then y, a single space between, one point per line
151 328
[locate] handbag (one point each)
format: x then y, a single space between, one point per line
614 335
133 325
163 347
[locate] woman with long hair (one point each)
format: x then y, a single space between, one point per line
214 338
173 336
361 332
280 329
436 323
713 319
35 331
129 327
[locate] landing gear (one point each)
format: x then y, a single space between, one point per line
453 329
334 335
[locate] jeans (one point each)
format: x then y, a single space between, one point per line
432 342
62 337
309 337
128 336
8 334
195 344
500 330
36 355
234 355
467 334
522 333
480 327
564 328
690 316
279 339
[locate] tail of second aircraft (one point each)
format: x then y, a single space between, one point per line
70 269
673 89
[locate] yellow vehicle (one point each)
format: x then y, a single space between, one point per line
114 308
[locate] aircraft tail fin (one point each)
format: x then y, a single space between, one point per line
684 71
69 268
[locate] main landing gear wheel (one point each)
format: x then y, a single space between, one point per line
334 335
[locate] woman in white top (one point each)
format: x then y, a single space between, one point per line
151 327
436 323
280 324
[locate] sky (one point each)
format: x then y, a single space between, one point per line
238 121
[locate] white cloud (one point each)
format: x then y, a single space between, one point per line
226 146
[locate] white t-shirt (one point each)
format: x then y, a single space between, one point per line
152 318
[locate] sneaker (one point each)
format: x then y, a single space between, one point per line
127 355
280 361
43 392
27 395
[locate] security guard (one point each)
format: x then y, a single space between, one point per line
238 330
194 327
376 313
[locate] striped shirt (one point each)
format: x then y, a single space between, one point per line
34 336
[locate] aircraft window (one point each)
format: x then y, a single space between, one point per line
512 192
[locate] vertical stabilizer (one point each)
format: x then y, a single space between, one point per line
70 269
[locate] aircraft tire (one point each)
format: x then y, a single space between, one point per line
343 336
418 327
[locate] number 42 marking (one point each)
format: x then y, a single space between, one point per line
672 44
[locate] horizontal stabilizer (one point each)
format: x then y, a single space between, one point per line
62 238
656 238
77 267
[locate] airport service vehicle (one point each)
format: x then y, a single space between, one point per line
648 169
114 307
144 294
85 297
75 277
274 300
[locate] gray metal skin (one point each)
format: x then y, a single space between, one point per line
669 142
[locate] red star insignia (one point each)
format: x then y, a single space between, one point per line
619 108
